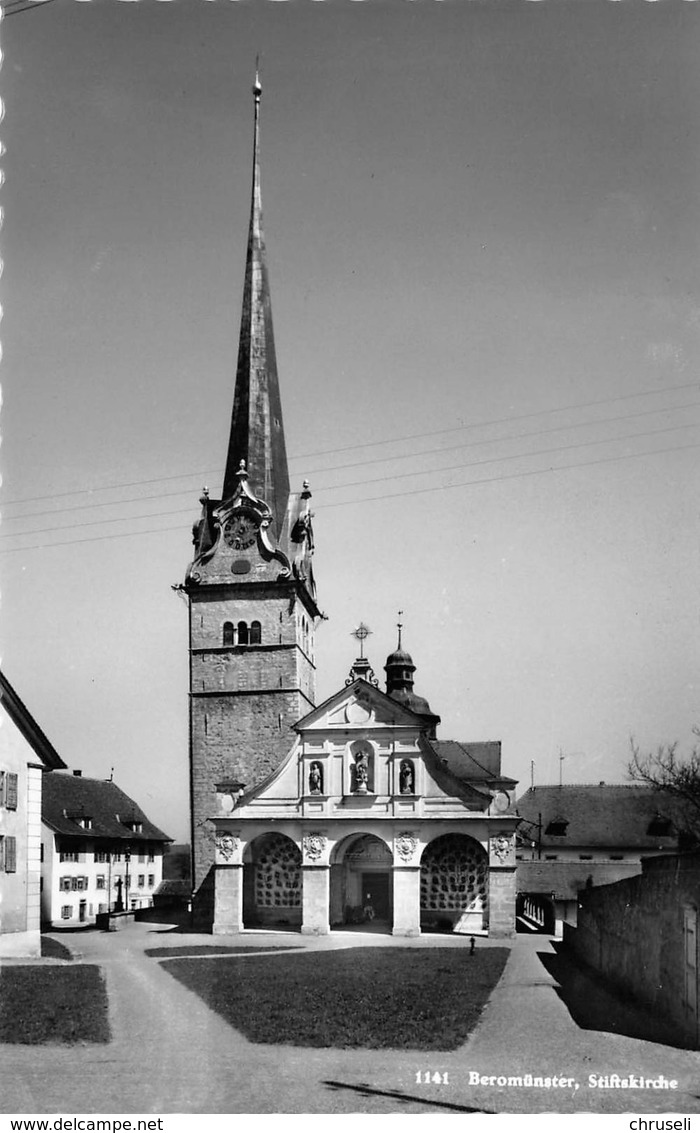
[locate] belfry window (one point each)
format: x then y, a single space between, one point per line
229 634
243 633
255 633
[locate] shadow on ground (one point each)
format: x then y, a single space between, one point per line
196 950
368 998
596 1004
412 1100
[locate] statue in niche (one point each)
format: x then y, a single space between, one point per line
406 778
361 773
316 778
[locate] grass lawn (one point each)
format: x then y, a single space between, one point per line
211 950
396 998
53 1004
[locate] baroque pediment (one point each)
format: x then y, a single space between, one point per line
360 705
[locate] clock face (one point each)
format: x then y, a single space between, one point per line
240 532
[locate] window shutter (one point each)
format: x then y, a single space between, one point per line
11 791
10 854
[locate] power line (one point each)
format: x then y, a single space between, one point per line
86 505
502 420
375 480
367 444
515 456
371 499
14 9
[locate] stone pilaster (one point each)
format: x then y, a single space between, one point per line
315 894
502 885
228 900
406 880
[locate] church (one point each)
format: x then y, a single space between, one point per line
304 816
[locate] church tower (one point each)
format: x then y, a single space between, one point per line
252 597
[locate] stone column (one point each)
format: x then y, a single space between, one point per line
502 885
315 895
406 882
406 900
228 899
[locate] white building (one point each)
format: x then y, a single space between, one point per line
25 753
100 851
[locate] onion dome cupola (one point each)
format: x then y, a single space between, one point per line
399 671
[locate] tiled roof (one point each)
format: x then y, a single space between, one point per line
606 814
565 879
65 798
23 719
471 761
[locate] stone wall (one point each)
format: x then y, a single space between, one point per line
634 933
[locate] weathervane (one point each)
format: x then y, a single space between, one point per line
361 634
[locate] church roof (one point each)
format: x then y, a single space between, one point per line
472 760
68 798
257 433
604 814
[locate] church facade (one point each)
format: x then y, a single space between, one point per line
365 816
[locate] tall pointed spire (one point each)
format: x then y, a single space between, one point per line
257 433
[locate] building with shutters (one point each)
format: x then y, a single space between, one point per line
25 755
100 852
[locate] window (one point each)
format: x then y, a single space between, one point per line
660 827
41 853
557 827
100 881
142 857
142 880
69 856
550 857
228 634
151 880
64 885
255 633
85 822
2 787
585 857
116 857
11 791
101 855
10 854
617 857
151 856
66 912
242 633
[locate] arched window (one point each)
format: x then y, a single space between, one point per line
228 633
242 633
255 633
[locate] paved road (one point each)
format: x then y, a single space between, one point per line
172 1054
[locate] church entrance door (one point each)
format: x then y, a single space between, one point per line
360 885
376 888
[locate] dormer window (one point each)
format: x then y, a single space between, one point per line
660 827
557 828
134 825
85 822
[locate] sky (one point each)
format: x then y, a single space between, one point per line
481 224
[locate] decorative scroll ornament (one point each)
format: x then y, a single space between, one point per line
226 845
406 845
502 846
314 846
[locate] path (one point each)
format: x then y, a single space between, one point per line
172 1054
